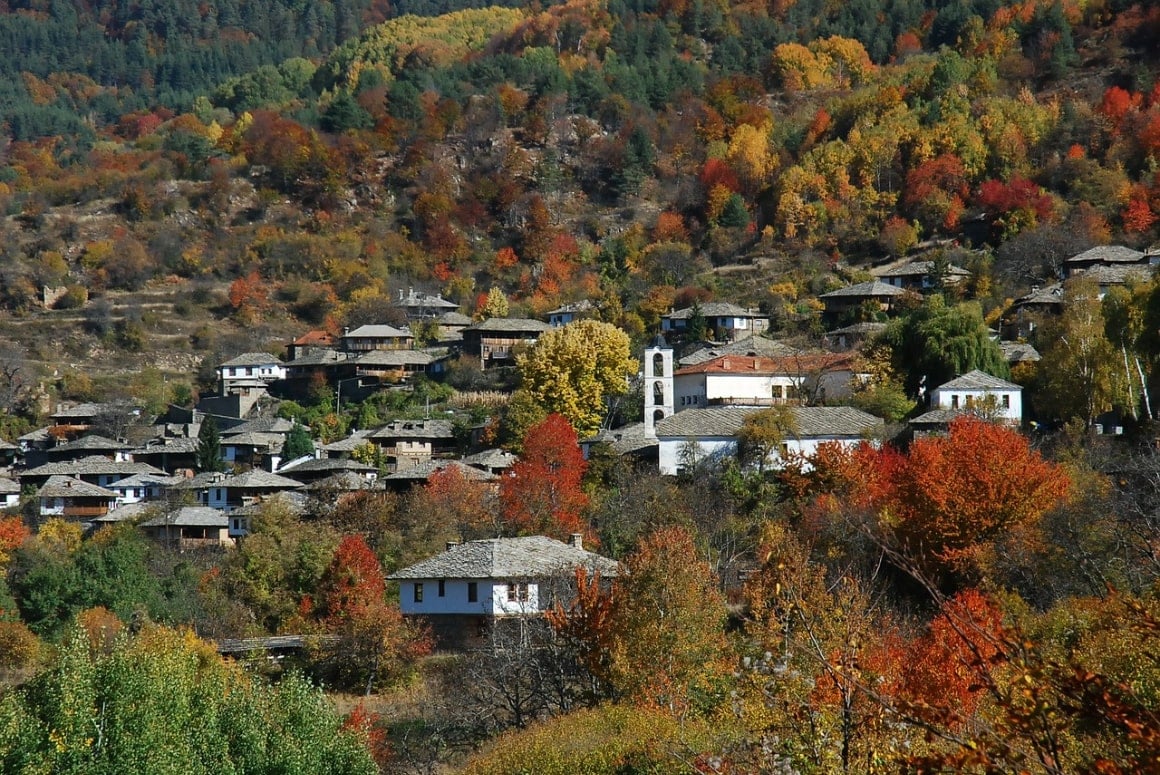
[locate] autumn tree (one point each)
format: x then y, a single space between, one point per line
464 507
375 644
955 495
656 637
1081 374
574 369
542 494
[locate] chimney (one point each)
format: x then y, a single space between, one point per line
725 364
400 294
451 545
576 540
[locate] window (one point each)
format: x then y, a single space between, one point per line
418 592
442 588
954 402
1006 401
472 592
517 591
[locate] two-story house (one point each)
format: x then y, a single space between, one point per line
250 374
464 590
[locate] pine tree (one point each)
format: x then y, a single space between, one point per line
209 446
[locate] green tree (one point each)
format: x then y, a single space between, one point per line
209 446
762 434
935 343
298 443
572 370
165 702
697 329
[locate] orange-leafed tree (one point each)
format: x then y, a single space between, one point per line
543 493
956 494
466 506
948 667
13 533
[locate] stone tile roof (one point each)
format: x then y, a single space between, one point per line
809 421
253 359
978 380
867 328
625 440
377 331
509 325
1106 254
178 444
1019 352
714 309
8 485
90 442
124 512
318 358
576 306
93 465
190 516
921 269
343 481
398 358
87 410
453 319
415 429
7 445
350 443
422 471
145 480
317 465
749 345
270 424
71 487
529 557
1047 295
870 289
803 363
423 300
491 458
939 416
257 479
273 441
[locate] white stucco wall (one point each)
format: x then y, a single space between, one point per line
671 449
1012 411
492 598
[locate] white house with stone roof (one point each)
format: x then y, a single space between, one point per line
250 372
698 435
979 391
463 590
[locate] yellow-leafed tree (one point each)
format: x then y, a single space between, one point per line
572 370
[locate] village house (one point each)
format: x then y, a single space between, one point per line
168 453
310 342
74 499
141 488
690 438
9 493
250 374
376 337
852 336
741 380
420 473
89 445
747 345
495 340
422 306
95 469
979 392
189 527
1105 256
461 592
569 313
406 443
723 321
315 469
922 275
875 295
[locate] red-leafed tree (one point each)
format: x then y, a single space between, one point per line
956 493
1117 102
935 191
542 493
1015 205
948 667
375 644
